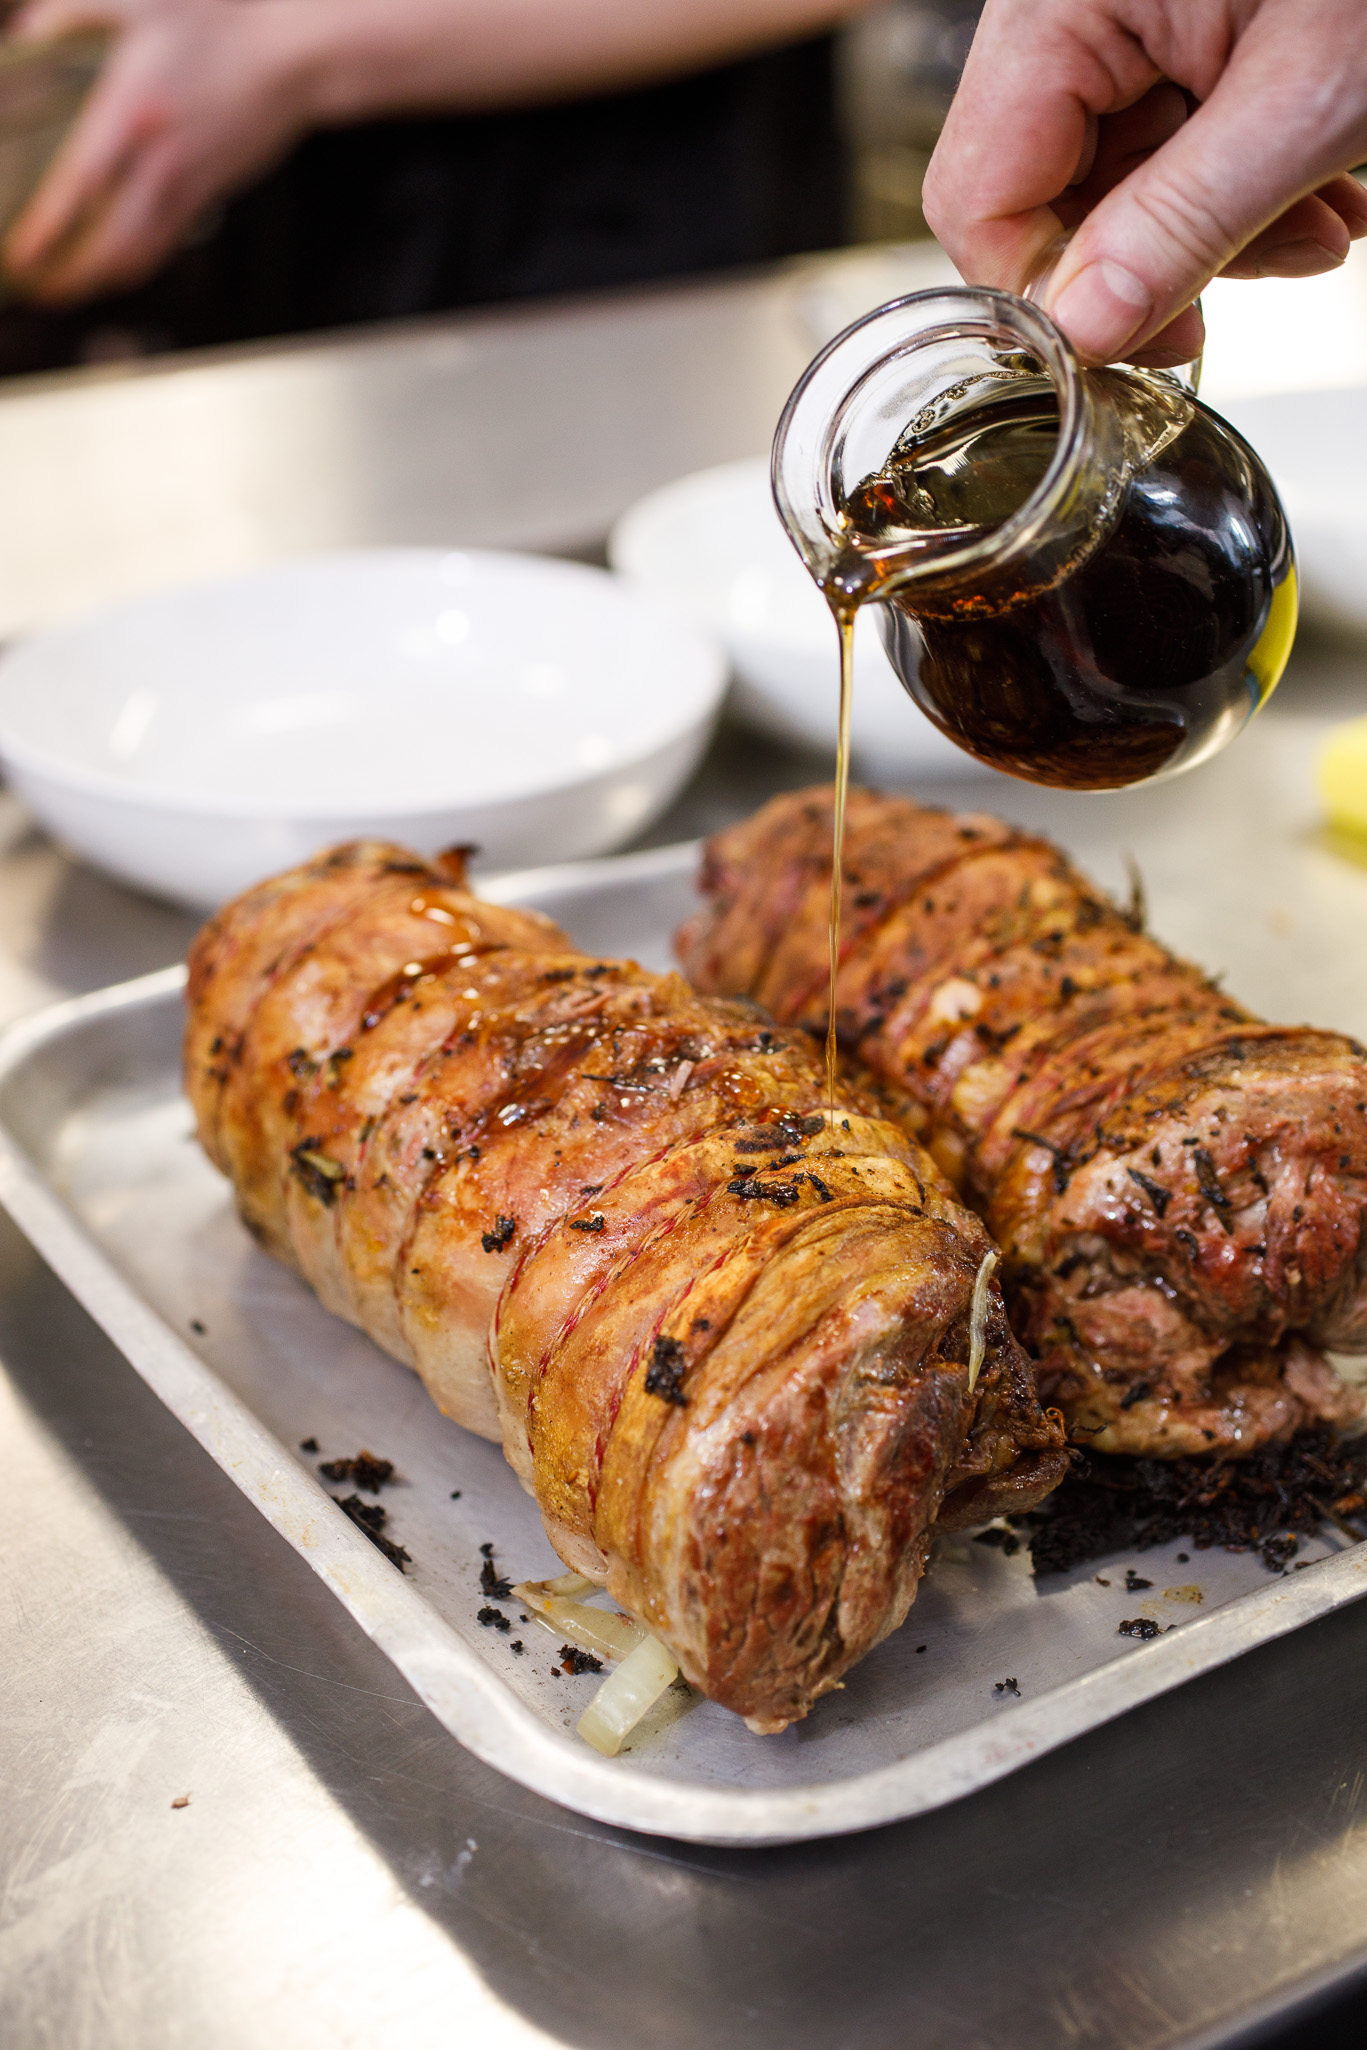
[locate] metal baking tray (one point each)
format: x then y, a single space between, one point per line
98 1167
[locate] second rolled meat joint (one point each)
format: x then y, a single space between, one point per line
728 1346
1179 1190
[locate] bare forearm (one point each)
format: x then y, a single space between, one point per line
356 59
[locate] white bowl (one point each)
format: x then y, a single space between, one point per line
195 741
713 545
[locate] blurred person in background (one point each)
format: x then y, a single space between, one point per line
246 168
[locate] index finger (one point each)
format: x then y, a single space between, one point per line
1017 132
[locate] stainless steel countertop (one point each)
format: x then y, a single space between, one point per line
345 1875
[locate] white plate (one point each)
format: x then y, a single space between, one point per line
1315 445
196 740
713 545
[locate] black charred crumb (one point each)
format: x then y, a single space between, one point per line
560 975
1136 1392
308 1444
200 1329
595 1223
572 1660
592 1189
300 1064
1137 1626
494 1241
371 1518
1135 1583
785 1194
814 1181
664 1375
492 1582
518 1646
492 1619
1001 1540
1265 1503
319 1174
366 1471
1007 1686
1159 1197
455 1494
1184 1558
920 1647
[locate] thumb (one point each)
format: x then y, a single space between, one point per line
1263 139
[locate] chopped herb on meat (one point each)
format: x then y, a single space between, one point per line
319 1174
664 1375
1063 1166
494 1241
1158 1196
1207 1179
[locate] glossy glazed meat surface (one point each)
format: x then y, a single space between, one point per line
1178 1189
725 1344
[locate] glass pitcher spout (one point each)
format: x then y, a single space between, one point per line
1085 576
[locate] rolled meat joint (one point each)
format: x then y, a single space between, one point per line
1178 1189
730 1347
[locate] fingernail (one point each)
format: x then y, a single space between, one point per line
1102 308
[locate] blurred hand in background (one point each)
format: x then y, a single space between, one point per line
199 97
1170 141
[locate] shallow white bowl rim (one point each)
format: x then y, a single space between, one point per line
700 653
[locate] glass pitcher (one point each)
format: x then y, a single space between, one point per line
1085 577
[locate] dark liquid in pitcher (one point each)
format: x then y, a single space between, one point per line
1153 650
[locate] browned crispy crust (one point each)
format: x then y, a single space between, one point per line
1179 1189
530 1174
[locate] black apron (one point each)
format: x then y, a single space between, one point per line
393 218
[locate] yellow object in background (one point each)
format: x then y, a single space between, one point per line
1343 778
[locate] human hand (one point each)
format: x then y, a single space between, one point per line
196 97
1175 139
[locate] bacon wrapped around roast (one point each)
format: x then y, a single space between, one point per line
725 1345
1178 1189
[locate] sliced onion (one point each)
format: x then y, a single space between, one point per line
536 1593
977 1327
605 1632
626 1695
